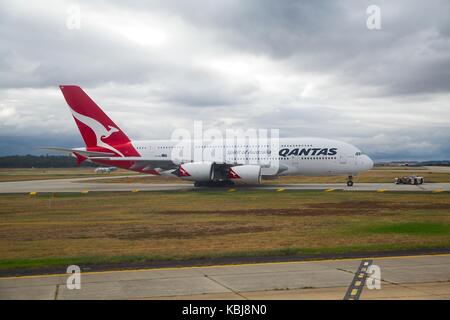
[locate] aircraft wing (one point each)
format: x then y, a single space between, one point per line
164 164
141 163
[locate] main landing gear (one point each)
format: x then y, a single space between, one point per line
350 181
220 183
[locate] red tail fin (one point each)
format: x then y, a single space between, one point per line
99 132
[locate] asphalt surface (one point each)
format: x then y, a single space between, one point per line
410 277
85 184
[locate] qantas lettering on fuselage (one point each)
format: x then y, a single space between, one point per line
285 152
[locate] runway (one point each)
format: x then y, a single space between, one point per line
84 184
413 277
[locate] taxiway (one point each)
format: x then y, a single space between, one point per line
86 184
409 277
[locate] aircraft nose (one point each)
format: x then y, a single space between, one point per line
368 163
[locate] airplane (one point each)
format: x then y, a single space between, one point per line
105 169
107 144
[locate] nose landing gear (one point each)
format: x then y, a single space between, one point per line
350 181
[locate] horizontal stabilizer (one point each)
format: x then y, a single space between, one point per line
81 152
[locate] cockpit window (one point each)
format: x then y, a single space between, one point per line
358 153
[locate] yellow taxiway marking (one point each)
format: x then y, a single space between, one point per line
33 193
231 190
438 190
280 190
135 190
329 190
381 190
230 265
354 292
84 191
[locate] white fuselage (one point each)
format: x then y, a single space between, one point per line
295 156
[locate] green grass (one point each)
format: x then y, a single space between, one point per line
106 228
37 263
413 228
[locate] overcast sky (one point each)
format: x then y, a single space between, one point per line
308 68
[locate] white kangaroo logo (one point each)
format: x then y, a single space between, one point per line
100 131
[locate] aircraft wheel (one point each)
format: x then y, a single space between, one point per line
350 181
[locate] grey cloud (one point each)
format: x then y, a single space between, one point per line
366 84
22 145
56 55
44 53
407 145
408 56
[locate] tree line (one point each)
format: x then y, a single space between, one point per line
30 161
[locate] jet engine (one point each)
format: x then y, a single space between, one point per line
245 174
195 171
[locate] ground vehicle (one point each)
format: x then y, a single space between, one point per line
105 169
409 180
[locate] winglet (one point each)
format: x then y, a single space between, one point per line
80 158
